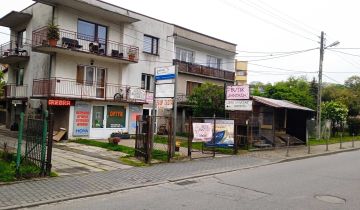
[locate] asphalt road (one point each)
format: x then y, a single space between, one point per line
303 184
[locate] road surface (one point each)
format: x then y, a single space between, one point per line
327 182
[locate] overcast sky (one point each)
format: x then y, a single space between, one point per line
269 26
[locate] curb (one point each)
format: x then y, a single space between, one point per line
104 192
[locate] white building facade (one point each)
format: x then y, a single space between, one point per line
98 76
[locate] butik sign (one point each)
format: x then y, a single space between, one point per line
237 92
164 73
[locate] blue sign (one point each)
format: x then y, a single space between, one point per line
165 76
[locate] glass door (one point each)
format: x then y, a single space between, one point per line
100 82
98 117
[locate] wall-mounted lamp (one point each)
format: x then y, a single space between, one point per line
92 62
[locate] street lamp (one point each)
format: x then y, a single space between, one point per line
322 47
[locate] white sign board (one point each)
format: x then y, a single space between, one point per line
165 90
237 92
137 94
202 131
238 105
167 72
164 103
149 97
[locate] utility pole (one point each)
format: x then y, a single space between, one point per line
318 114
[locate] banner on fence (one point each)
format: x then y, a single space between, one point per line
224 125
202 131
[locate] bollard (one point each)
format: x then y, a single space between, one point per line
327 144
287 147
341 141
353 141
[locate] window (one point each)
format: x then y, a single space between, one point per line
92 32
21 39
151 45
184 55
213 62
19 77
240 73
147 82
190 86
116 116
91 75
98 117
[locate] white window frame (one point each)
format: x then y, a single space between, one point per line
213 62
189 55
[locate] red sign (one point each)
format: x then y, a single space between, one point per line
56 102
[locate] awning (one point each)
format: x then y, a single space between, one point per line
100 9
280 103
14 18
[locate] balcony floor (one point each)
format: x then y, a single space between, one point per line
11 59
78 53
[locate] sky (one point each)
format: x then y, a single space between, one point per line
279 38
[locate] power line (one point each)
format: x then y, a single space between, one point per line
281 56
344 53
266 21
258 6
282 69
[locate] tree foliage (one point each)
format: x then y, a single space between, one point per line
296 90
336 112
207 100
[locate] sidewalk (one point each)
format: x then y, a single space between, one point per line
50 190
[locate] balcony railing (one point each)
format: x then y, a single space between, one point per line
87 44
15 91
70 88
12 52
204 70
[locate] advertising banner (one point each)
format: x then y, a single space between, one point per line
224 125
164 103
137 94
82 119
237 92
202 132
134 111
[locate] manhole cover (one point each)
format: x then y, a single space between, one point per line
331 199
186 182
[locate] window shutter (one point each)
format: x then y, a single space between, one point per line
80 75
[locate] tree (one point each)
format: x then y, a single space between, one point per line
336 112
207 100
296 90
353 83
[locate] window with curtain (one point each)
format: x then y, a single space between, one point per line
213 62
184 55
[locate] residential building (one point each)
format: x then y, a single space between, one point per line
200 58
241 72
99 73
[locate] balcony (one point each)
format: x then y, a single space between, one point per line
72 43
11 53
73 89
205 71
13 91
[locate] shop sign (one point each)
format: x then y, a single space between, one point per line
149 97
165 90
15 102
57 102
164 103
237 92
116 116
202 131
238 105
165 73
137 94
135 112
82 119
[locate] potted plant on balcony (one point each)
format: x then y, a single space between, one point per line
53 34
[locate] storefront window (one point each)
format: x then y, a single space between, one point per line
98 117
116 116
